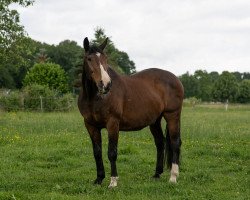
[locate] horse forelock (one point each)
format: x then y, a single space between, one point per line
94 49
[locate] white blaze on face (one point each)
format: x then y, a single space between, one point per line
104 75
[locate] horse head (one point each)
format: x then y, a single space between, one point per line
96 66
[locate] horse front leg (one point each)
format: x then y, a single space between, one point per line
95 135
113 135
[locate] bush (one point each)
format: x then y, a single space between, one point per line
65 102
36 98
11 101
34 94
47 74
191 102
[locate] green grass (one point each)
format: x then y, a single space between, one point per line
49 156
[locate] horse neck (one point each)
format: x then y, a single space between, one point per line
113 74
89 86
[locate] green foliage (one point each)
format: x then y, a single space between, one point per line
68 55
36 98
244 92
212 86
204 85
13 44
246 75
119 60
10 29
51 100
191 102
225 88
15 61
33 95
11 101
190 84
6 79
48 74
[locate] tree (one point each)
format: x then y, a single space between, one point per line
246 75
225 88
13 44
15 61
244 92
205 85
214 76
238 76
68 55
47 74
10 29
190 85
119 60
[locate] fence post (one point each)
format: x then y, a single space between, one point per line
41 103
226 105
21 101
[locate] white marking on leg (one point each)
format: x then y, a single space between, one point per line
174 173
113 181
105 76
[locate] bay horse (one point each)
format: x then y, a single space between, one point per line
128 103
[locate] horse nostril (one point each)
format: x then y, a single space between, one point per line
109 84
100 84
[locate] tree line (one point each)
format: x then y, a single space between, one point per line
227 86
19 53
67 54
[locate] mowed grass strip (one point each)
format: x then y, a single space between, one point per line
49 156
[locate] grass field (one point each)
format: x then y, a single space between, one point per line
49 156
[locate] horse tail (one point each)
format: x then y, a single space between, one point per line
168 154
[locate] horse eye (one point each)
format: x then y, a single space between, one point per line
89 59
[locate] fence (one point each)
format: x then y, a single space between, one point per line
20 102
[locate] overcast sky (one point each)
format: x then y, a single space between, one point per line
176 35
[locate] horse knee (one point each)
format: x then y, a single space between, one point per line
175 142
112 154
97 151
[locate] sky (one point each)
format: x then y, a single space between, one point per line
175 35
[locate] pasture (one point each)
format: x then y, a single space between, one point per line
49 156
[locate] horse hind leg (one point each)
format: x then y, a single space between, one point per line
173 144
157 133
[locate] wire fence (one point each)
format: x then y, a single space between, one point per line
19 102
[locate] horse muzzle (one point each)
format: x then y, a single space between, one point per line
104 89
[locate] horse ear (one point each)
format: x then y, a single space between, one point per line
103 45
86 44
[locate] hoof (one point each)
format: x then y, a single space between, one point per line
156 176
113 182
172 180
98 181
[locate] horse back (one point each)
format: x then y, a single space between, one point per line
157 84
147 95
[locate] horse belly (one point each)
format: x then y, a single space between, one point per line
139 114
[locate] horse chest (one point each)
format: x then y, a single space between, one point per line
96 114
